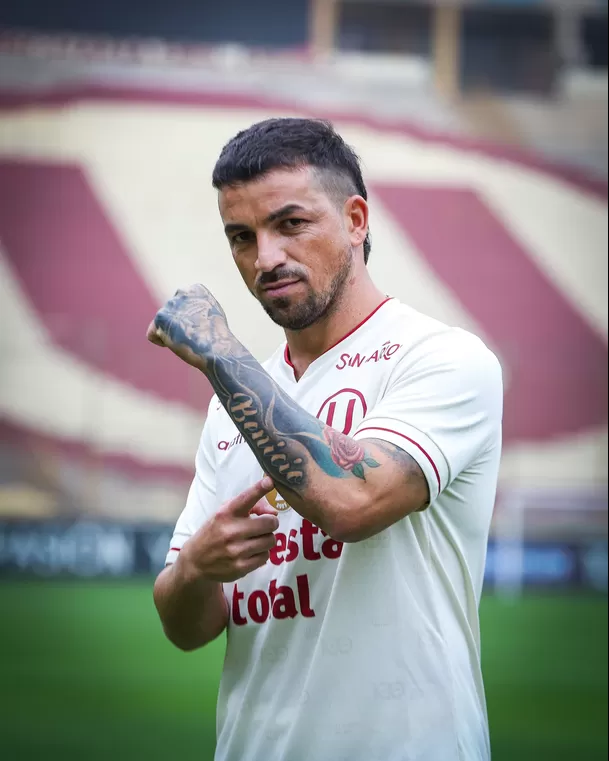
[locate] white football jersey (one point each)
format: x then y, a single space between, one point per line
367 651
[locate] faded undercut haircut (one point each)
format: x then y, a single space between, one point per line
290 143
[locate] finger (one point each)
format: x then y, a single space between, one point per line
262 507
258 545
243 503
257 525
247 565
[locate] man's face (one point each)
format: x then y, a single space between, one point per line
292 243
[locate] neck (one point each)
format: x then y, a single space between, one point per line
359 299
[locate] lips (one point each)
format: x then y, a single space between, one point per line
280 288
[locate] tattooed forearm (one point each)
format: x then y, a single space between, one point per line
380 483
412 474
286 440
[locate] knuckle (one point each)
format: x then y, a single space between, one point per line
222 512
233 551
162 318
226 532
271 522
223 517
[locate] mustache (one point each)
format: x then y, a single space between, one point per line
268 278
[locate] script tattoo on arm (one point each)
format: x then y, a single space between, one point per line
289 443
292 446
282 435
286 439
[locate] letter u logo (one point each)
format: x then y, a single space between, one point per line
344 410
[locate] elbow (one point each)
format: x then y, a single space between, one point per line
185 645
348 534
185 632
189 642
360 519
181 638
345 523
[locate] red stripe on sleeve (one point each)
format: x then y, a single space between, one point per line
412 441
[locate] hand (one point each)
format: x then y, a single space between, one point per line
236 541
193 325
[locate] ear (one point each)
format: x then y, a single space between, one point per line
356 216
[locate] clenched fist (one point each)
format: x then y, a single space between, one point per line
193 325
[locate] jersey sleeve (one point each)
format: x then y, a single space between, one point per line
201 500
443 405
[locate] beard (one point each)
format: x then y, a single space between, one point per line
317 305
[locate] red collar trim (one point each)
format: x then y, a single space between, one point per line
286 353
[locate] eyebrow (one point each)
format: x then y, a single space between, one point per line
290 208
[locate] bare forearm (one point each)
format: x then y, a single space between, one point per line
193 611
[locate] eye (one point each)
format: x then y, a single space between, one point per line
293 223
240 238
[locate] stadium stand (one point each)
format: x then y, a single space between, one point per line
106 152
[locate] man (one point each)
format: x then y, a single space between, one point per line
338 519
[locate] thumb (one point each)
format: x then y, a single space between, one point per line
155 335
244 502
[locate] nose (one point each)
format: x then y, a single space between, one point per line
270 253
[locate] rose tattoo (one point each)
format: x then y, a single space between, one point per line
348 454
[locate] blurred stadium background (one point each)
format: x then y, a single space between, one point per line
483 131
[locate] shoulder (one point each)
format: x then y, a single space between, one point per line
431 345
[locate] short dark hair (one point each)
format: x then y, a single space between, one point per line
292 143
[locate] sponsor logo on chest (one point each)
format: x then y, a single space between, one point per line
224 446
383 353
286 600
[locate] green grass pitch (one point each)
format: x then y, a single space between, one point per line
86 675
